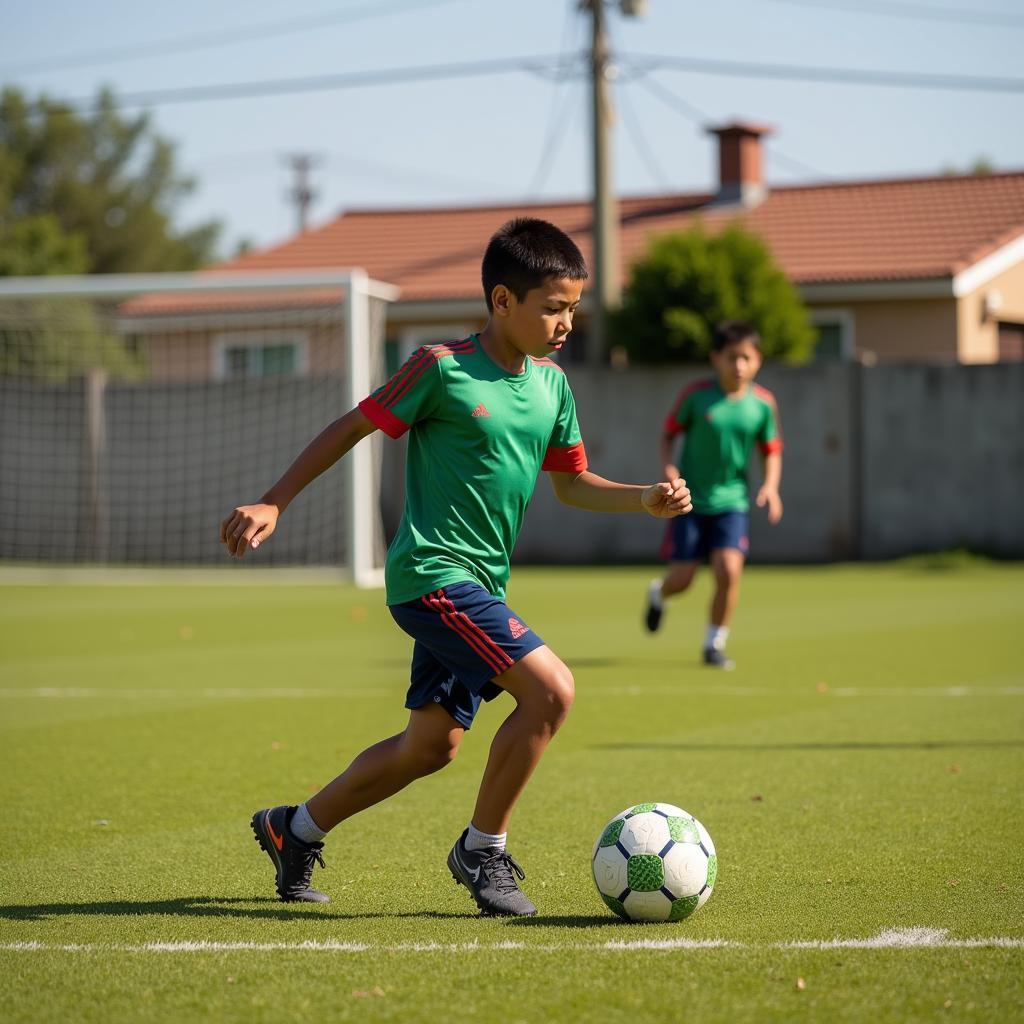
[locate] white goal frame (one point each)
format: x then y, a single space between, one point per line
363 512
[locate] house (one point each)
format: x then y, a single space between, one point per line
923 270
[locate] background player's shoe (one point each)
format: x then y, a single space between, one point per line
718 659
655 606
488 875
293 860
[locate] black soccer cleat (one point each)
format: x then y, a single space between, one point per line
718 659
655 607
490 877
293 860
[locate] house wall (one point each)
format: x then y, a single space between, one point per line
979 328
906 330
188 354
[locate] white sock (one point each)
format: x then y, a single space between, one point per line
304 828
477 840
654 594
715 637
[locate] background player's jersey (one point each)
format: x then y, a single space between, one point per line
479 437
720 432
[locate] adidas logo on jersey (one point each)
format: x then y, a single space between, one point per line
481 410
516 628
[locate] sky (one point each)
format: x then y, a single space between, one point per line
515 134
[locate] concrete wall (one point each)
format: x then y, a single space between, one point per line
943 454
879 462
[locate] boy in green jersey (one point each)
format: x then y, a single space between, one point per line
485 415
722 419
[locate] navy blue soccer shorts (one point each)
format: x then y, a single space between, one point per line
693 537
465 637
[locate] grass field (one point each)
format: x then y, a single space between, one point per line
861 773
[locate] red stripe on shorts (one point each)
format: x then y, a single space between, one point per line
499 652
434 604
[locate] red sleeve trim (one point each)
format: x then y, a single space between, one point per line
672 426
382 418
566 460
769 447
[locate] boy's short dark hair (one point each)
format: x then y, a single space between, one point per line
523 253
730 331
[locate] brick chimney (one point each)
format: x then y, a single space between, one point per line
740 171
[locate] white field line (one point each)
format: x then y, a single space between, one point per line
300 693
890 938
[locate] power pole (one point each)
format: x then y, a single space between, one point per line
607 290
302 193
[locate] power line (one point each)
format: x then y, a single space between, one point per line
699 117
984 19
182 44
898 79
550 66
639 140
557 112
538 65
677 103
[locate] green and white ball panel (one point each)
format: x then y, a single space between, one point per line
686 870
646 832
712 875
610 833
647 906
611 870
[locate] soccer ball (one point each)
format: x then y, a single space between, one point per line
654 862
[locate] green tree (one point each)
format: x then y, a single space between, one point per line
38 245
57 339
689 281
95 192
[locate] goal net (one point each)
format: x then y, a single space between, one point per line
137 410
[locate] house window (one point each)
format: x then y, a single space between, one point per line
242 357
835 335
829 346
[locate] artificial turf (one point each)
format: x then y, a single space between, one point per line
861 773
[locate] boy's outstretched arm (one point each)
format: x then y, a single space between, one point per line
594 493
250 525
769 492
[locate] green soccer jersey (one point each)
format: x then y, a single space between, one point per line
479 436
720 431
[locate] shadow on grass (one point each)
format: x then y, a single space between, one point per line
839 745
259 908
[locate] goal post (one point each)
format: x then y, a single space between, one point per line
137 409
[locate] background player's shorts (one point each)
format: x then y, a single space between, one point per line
464 638
690 538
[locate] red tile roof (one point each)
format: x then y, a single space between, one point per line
854 232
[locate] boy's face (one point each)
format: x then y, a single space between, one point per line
540 322
737 363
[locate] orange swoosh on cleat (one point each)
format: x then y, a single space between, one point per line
277 840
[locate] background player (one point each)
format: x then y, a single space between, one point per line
721 419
